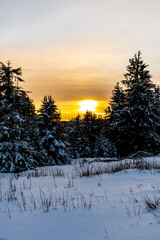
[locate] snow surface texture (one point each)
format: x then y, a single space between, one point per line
56 203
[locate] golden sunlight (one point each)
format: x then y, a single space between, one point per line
88 105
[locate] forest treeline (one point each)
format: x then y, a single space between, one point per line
30 138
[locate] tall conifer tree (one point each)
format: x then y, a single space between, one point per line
52 138
135 128
16 150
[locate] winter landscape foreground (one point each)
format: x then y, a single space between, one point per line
86 200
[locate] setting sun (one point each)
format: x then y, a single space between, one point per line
88 105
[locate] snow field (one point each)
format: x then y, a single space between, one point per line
55 203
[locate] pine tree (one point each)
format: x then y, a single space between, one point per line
117 103
16 150
117 119
135 125
52 138
9 78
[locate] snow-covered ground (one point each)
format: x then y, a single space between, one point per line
56 203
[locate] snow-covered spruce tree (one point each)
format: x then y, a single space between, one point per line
16 152
52 137
117 119
136 128
117 103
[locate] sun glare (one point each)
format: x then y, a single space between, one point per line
88 105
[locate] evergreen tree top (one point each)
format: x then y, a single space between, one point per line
89 116
118 95
137 72
9 79
49 111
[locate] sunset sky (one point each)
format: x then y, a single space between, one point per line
77 50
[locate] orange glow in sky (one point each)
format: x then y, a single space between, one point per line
77 50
